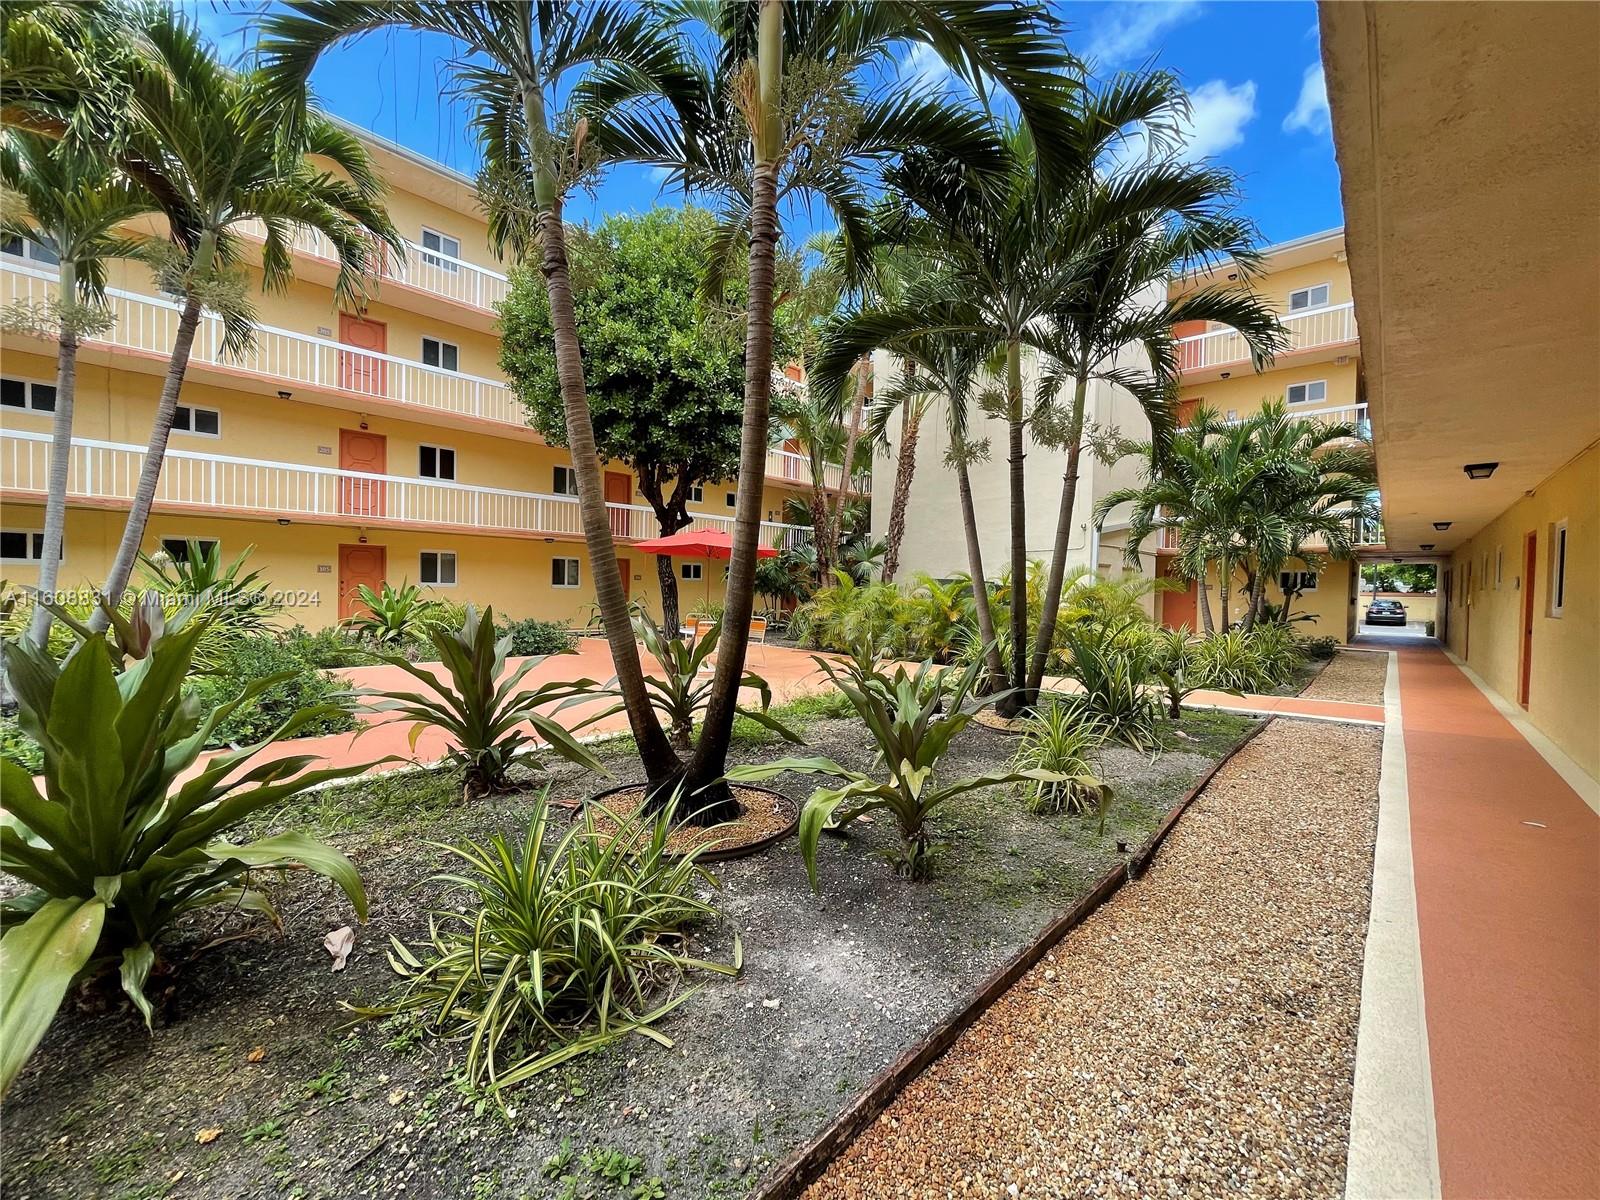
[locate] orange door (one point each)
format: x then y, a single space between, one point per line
1178 607
367 453
362 372
359 565
1186 411
625 570
619 490
1530 564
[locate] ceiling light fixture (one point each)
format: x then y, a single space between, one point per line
284 395
1480 470
1441 526
1227 374
1428 545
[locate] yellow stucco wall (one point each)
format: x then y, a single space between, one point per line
1329 605
1484 616
1243 395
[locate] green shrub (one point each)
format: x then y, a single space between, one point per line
293 682
1280 651
530 637
1115 671
565 949
1054 740
327 648
113 847
19 747
912 717
482 707
392 616
1175 663
1232 662
1320 648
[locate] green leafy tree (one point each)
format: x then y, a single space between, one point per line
663 368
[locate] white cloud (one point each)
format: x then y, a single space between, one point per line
1128 32
923 68
1217 117
1310 111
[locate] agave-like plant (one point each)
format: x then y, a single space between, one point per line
1114 672
912 716
393 615
114 847
1054 739
566 949
482 707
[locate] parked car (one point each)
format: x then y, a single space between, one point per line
1386 612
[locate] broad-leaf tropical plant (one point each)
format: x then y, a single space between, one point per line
115 846
482 707
391 616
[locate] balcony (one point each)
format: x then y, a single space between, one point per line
1206 355
785 466
1344 414
105 474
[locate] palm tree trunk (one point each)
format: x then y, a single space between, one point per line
852 439
1258 593
904 468
144 494
1225 583
1012 704
1202 589
1058 553
821 540
711 795
662 766
55 505
980 585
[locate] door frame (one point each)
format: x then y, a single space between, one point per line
383 572
379 369
1530 573
367 500
618 520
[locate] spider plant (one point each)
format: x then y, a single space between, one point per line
484 709
565 948
912 716
1054 740
1232 661
1113 669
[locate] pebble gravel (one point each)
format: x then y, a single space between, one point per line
1195 1037
1353 675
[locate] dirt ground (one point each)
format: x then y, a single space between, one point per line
254 1082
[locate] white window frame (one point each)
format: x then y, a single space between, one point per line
555 480
438 568
438 450
191 431
1557 569
571 573
1304 575
692 572
34 546
1306 385
29 245
203 539
442 347
28 384
440 258
697 493
1307 292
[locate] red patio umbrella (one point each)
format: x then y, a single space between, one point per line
698 543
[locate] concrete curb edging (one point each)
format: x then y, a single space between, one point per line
1393 1138
806 1164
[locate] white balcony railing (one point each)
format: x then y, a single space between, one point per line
149 324
426 270
1307 331
790 467
1344 414
109 471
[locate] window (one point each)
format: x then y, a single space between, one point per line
444 355
178 548
693 571
23 546
432 239
733 499
436 462
26 394
1314 392
202 422
21 247
1297 581
564 572
438 567
566 483
1499 566
1558 567
1308 297
697 493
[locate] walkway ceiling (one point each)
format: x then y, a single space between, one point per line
1468 138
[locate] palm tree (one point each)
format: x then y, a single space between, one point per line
76 205
215 143
1131 232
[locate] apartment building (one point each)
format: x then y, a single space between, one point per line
346 447
1318 375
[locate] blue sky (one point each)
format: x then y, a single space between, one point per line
1252 69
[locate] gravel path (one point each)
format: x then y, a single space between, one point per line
1195 1037
1353 675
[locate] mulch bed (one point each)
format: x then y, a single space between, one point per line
1196 1036
762 816
254 1083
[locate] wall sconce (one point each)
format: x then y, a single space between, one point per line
363 424
1480 470
283 520
1441 526
362 538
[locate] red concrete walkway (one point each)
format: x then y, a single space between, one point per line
1507 867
